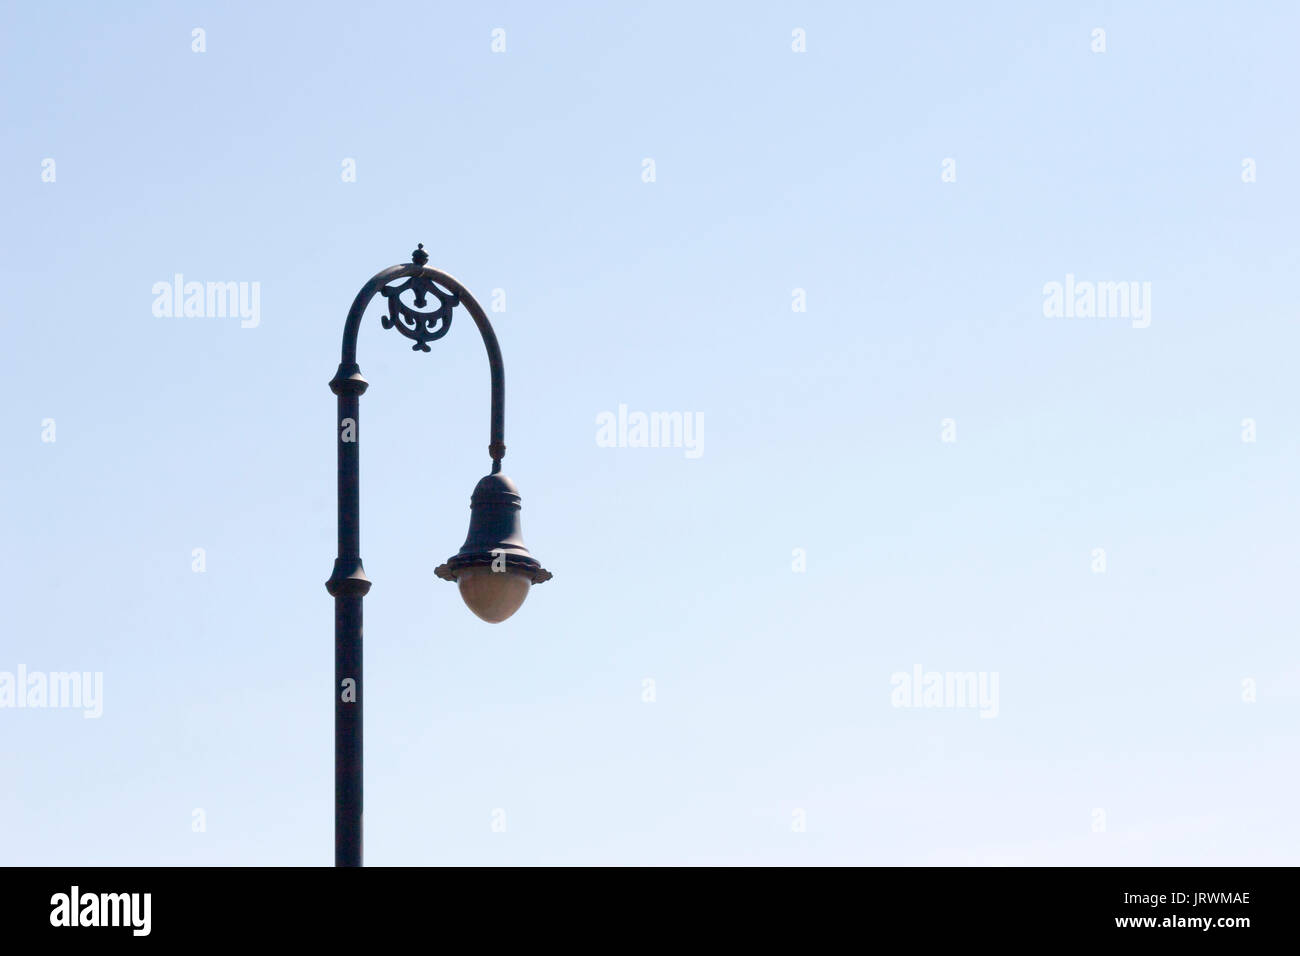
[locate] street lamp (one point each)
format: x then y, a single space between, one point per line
493 569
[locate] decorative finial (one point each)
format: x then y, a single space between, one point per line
419 256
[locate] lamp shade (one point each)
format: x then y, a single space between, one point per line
493 568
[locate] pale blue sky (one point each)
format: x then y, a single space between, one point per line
775 170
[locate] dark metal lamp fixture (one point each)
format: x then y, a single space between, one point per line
493 569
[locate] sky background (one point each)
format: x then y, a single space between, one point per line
1120 692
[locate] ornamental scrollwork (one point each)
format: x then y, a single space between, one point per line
423 327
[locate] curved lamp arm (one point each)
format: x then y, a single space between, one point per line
425 327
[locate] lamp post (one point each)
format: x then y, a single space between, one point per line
493 569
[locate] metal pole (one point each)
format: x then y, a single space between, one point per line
348 584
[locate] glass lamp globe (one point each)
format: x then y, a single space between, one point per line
493 595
